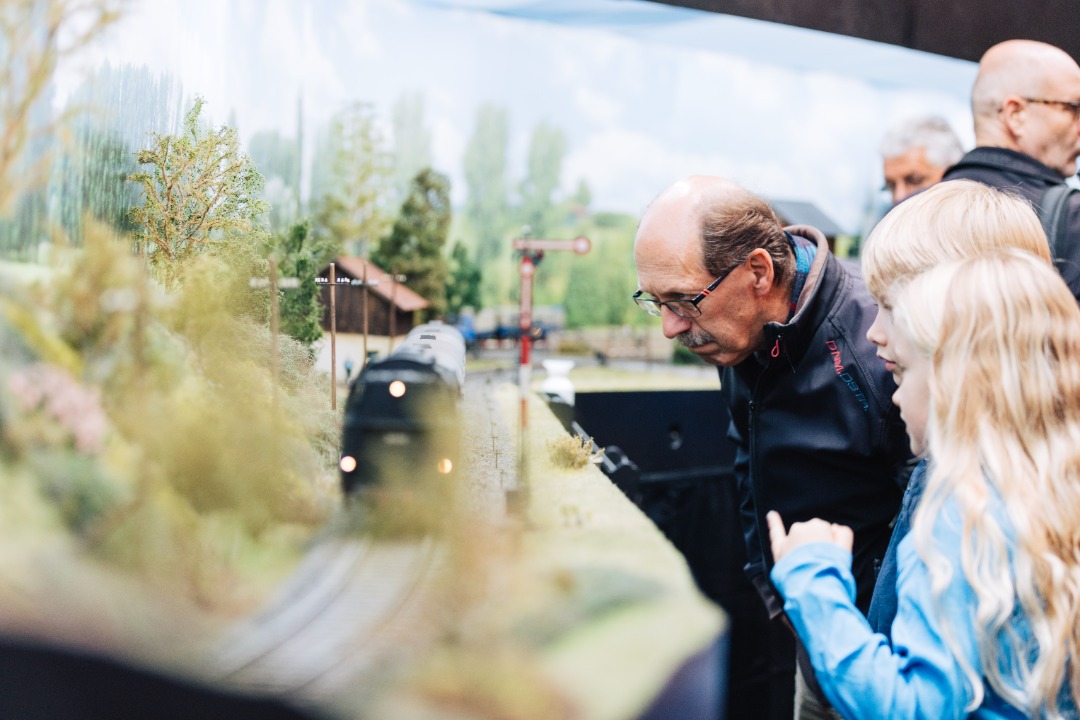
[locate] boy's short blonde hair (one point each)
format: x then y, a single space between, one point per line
949 221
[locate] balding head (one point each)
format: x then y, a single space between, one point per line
721 218
1011 75
708 232
691 196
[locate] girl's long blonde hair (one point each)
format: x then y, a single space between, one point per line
1002 331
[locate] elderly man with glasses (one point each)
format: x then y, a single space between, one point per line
815 430
1026 107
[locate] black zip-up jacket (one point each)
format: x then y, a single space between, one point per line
1010 170
816 432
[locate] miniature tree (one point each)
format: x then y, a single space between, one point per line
278 159
487 205
415 245
412 140
353 177
301 256
546 152
201 195
463 288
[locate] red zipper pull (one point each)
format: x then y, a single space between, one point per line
775 352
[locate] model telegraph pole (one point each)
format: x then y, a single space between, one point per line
274 283
532 251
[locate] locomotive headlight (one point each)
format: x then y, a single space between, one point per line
444 466
347 464
397 388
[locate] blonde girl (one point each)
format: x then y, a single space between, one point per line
987 355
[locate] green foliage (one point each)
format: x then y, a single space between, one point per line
353 182
598 285
416 243
490 221
278 160
610 220
302 257
583 297
26 226
92 181
412 141
488 203
201 196
112 112
157 433
582 197
546 152
464 287
127 101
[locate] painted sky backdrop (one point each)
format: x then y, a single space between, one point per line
644 92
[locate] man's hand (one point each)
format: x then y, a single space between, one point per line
803 533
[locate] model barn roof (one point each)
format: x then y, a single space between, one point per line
379 282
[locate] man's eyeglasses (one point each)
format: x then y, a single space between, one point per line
1071 106
682 308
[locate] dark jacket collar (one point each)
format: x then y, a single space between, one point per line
996 158
789 340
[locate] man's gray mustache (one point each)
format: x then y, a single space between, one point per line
691 339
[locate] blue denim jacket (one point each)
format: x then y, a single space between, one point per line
916 676
883 603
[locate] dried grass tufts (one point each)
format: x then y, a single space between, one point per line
573 452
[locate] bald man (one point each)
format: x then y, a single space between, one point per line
1026 106
815 431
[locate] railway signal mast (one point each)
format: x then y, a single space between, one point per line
532 251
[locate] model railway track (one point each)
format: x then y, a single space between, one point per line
351 605
357 603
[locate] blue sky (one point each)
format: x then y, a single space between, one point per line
645 93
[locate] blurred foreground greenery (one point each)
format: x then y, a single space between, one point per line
165 435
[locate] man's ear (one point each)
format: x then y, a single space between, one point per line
761 264
1013 113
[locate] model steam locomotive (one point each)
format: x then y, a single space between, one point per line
402 416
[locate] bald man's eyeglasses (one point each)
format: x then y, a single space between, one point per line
682 308
1071 106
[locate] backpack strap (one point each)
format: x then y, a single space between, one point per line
1051 209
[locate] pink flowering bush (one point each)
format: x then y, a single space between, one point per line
74 408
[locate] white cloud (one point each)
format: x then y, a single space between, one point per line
354 19
626 170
